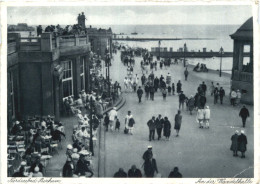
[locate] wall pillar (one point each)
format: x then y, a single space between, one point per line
46 42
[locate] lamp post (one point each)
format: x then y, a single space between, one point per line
221 52
184 50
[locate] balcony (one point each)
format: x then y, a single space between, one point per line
46 43
243 76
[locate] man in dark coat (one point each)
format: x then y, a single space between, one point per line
83 166
120 173
150 167
244 114
147 91
204 87
178 121
140 93
161 79
186 73
242 142
221 95
152 90
148 152
143 79
203 101
156 83
179 86
175 173
234 145
151 125
159 125
134 172
182 98
106 121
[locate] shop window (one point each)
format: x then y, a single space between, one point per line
67 80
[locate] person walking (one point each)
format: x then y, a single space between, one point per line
216 94
117 124
204 87
106 121
164 93
167 128
169 90
207 116
173 89
191 103
140 94
233 96
112 115
143 79
68 168
242 142
147 90
129 122
178 121
244 114
134 172
150 167
147 153
200 117
221 95
179 87
212 88
159 125
186 73
175 173
168 79
182 98
202 101
152 126
156 83
152 90
234 144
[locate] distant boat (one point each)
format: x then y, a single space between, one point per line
134 33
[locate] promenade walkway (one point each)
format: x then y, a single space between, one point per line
197 152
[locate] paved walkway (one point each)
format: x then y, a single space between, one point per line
197 152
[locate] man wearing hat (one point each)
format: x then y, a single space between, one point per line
37 173
140 93
242 142
112 115
151 124
134 172
147 152
234 145
244 114
83 166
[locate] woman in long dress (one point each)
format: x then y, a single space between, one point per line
167 128
178 121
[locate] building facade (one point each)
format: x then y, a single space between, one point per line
242 71
42 71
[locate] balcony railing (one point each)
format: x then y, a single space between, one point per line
30 44
243 76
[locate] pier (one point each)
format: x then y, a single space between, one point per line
159 39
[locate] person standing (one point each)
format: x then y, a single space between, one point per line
161 80
207 116
106 121
179 87
147 90
68 168
156 83
175 173
168 79
204 87
152 126
129 123
182 98
242 142
221 95
159 125
126 84
150 167
140 94
202 101
167 128
178 121
164 93
186 73
234 145
134 172
244 114
112 115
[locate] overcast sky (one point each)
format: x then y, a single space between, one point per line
117 15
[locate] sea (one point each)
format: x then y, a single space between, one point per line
196 37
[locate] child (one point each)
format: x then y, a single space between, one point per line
117 124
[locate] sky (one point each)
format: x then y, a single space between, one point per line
125 15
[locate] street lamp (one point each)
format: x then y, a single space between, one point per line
221 52
184 50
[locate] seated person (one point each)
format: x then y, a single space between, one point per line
37 173
20 173
83 167
38 164
16 128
